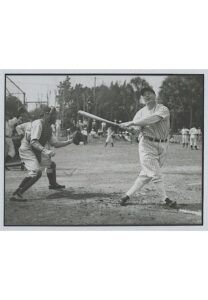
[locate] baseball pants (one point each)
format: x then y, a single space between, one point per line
109 139
193 140
32 164
185 139
152 157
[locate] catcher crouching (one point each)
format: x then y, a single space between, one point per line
36 154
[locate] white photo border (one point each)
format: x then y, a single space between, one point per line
107 72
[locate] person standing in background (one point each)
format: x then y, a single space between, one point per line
185 136
193 138
109 139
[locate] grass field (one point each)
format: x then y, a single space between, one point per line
96 177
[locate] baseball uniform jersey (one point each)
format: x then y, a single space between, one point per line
193 136
185 135
33 131
109 135
159 130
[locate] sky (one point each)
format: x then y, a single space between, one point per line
38 87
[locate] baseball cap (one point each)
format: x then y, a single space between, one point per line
147 89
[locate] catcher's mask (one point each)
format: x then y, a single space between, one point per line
50 114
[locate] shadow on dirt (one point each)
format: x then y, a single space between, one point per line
71 194
190 206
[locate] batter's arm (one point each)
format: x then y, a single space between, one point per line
146 121
162 113
143 122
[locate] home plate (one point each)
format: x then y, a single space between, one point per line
192 212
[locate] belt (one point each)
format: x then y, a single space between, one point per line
155 139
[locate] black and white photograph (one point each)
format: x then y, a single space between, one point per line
103 149
104 162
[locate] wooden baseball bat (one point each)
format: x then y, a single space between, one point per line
94 117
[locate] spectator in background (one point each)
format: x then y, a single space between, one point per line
93 133
85 135
199 135
94 125
9 128
80 125
58 128
85 123
193 138
110 134
53 127
171 139
68 132
103 125
185 136
128 136
120 130
116 128
100 131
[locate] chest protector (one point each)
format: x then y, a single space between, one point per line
44 138
45 134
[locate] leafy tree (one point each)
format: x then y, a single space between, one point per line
65 101
138 84
13 104
117 101
183 95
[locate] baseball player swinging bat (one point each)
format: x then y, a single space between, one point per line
91 116
94 117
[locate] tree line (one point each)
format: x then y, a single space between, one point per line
182 94
114 102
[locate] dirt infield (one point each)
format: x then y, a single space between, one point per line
96 177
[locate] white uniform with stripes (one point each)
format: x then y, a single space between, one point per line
193 136
152 153
185 135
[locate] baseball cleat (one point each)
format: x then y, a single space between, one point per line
56 187
124 200
18 198
170 203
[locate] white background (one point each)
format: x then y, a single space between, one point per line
103 35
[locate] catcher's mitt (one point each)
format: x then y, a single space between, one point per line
77 137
